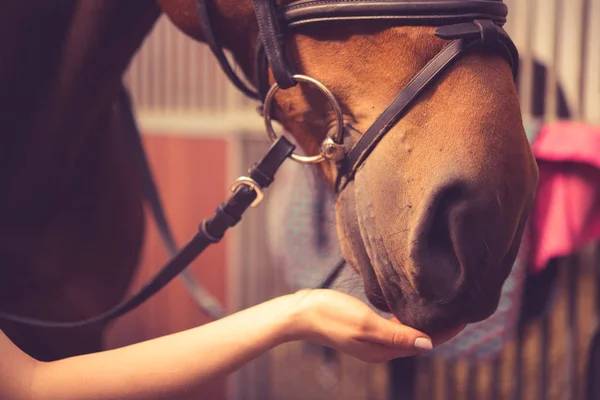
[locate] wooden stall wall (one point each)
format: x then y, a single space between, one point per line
190 175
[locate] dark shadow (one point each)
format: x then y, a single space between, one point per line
540 90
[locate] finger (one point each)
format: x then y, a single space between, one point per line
398 336
375 352
441 338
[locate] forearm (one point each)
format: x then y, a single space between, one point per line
168 367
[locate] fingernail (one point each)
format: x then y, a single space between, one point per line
423 344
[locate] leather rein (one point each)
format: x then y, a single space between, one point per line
467 25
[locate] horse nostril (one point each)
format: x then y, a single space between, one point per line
439 242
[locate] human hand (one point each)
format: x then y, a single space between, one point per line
340 321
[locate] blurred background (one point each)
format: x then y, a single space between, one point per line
200 134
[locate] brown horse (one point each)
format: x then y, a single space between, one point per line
432 222
434 218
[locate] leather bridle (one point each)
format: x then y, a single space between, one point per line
466 24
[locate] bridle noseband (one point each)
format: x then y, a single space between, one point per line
466 24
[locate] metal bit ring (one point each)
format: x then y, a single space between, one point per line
339 118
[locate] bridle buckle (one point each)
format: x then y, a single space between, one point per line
332 150
252 184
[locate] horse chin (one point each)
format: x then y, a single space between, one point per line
389 289
384 291
373 290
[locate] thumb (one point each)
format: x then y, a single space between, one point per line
397 336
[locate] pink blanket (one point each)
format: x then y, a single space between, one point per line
566 215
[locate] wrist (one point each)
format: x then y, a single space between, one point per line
295 322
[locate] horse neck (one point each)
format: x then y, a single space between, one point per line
65 85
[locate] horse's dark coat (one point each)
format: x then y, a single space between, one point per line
71 219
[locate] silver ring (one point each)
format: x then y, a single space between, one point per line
339 118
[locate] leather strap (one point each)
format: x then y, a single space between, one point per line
272 37
422 12
332 275
490 35
208 304
261 65
388 118
488 32
209 36
212 230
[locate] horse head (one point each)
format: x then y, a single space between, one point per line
432 213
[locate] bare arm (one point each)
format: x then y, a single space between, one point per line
162 368
169 366
175 366
16 371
